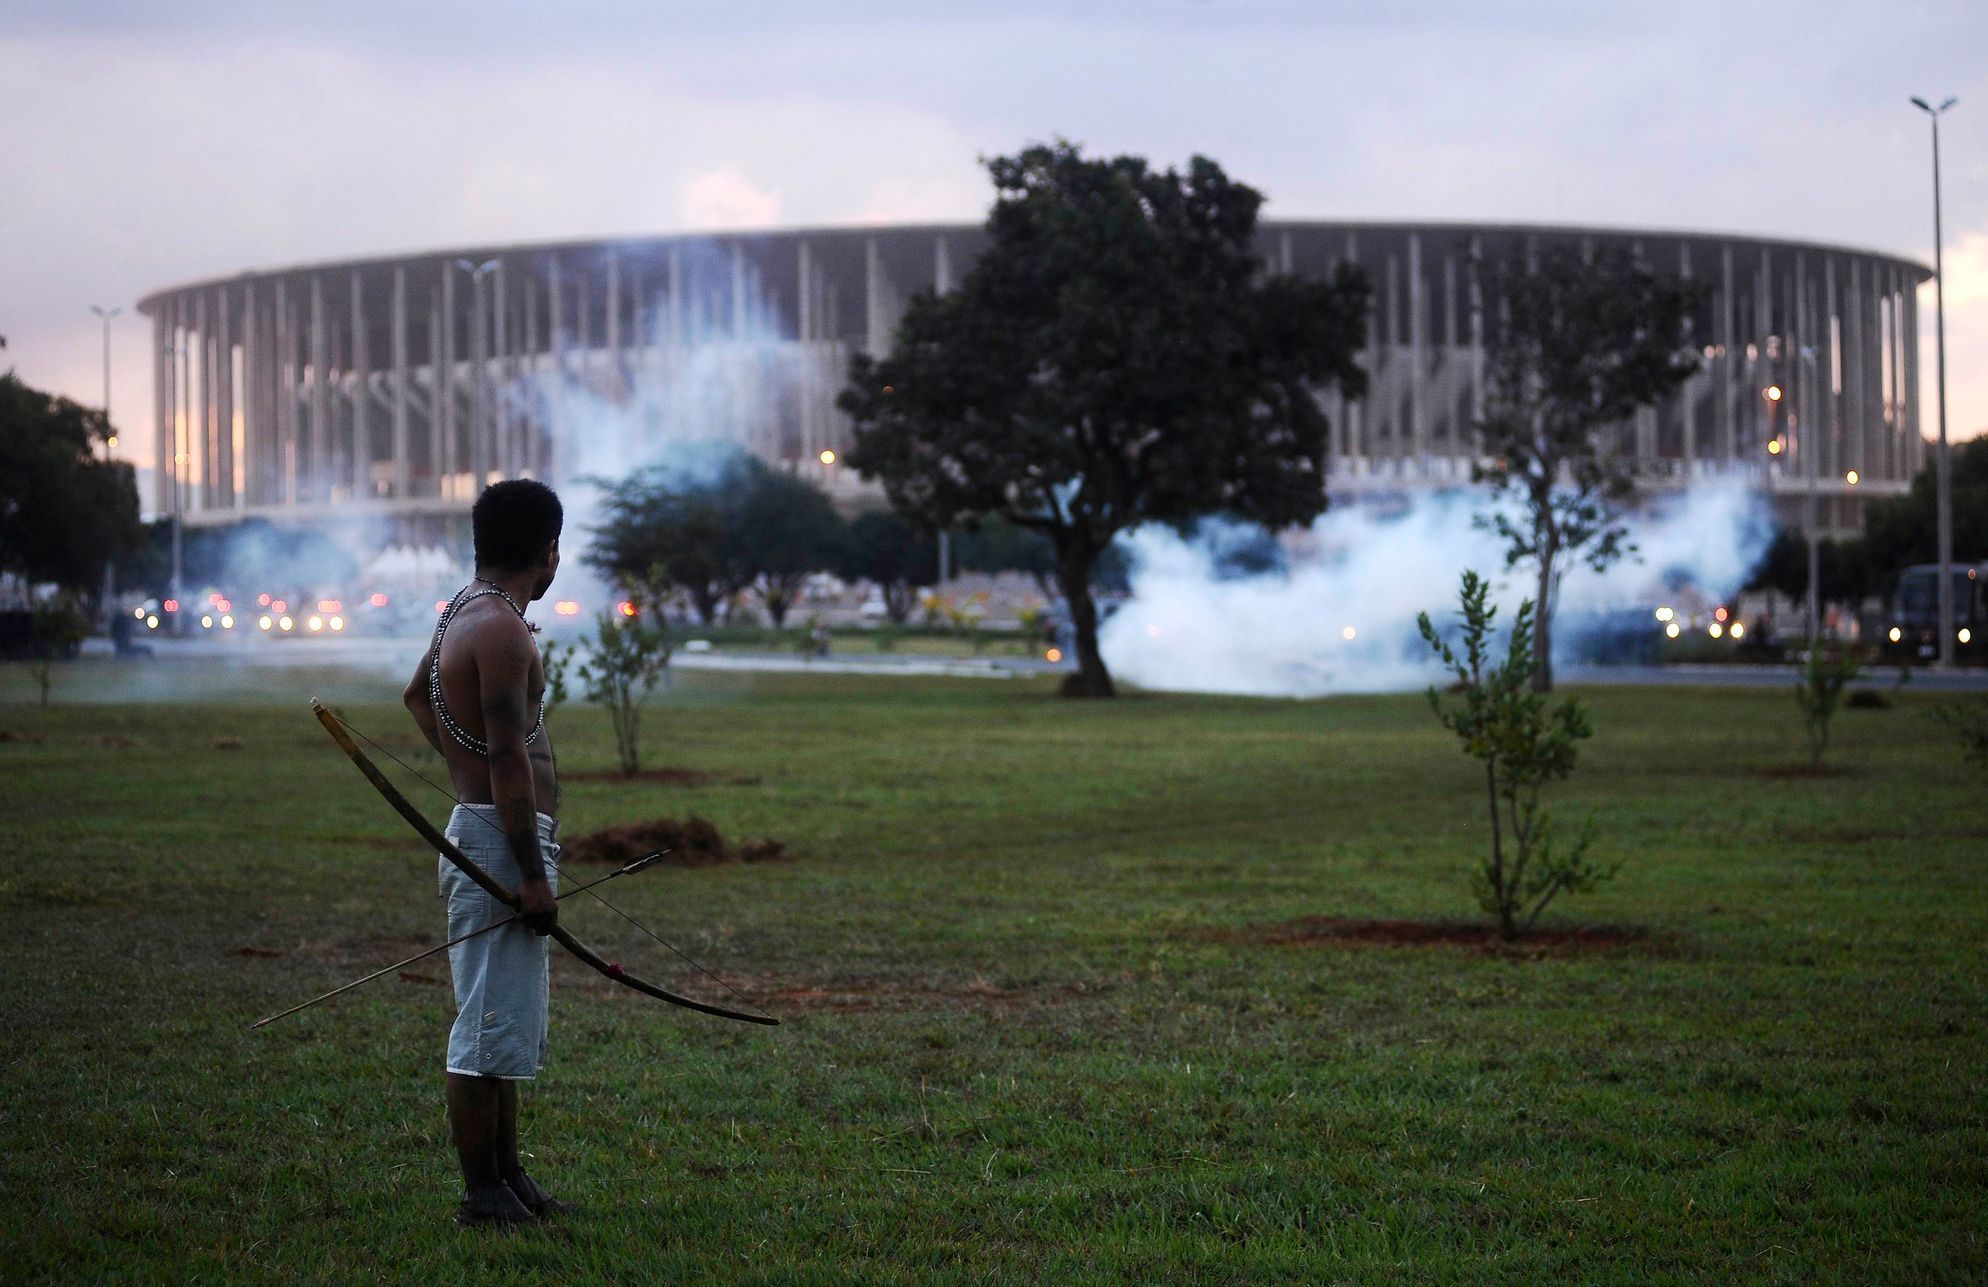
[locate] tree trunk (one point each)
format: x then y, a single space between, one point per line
1074 573
1542 621
899 596
706 604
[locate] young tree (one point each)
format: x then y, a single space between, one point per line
1573 346
1818 692
1506 724
59 624
897 557
1116 356
621 664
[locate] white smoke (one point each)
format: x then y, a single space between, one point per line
725 368
1340 617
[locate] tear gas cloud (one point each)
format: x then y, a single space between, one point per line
1339 616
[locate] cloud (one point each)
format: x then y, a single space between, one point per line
721 199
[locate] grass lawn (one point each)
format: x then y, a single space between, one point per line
1052 1007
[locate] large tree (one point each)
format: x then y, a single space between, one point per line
1903 530
784 529
1574 345
64 509
896 556
1118 355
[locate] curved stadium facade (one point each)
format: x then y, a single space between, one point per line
388 388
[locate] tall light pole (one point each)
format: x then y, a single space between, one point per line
1942 476
104 315
110 440
1811 422
479 360
173 375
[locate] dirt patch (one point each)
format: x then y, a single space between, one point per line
29 739
1858 836
116 742
228 744
1781 772
667 775
689 842
1330 931
257 953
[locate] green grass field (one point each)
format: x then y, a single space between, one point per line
1051 1010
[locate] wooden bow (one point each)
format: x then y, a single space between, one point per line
447 848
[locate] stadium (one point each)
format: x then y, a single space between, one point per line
388 388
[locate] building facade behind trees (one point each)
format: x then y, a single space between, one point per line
389 388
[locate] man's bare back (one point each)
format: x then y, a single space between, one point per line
481 660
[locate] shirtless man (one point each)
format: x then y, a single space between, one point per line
478 697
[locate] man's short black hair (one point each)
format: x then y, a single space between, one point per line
512 523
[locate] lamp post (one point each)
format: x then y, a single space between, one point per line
479 360
1812 422
104 315
171 351
1942 477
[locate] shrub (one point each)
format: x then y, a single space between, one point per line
621 665
1524 743
1818 692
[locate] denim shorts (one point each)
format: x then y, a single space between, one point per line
500 977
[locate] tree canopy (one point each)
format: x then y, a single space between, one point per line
1116 356
897 556
1574 346
715 531
1902 530
64 510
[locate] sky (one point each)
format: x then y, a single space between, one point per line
143 145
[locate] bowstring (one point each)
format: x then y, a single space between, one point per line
588 890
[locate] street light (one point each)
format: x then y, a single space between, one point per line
1811 422
1942 475
104 315
179 457
478 361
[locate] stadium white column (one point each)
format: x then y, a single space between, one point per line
361 483
251 396
500 380
1476 346
202 342
1452 431
224 398
397 324
533 405
874 338
611 307
1418 366
285 364
1829 444
445 383
1688 394
319 482
162 407
1854 381
1915 443
1727 342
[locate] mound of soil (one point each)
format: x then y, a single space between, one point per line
689 842
1328 931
